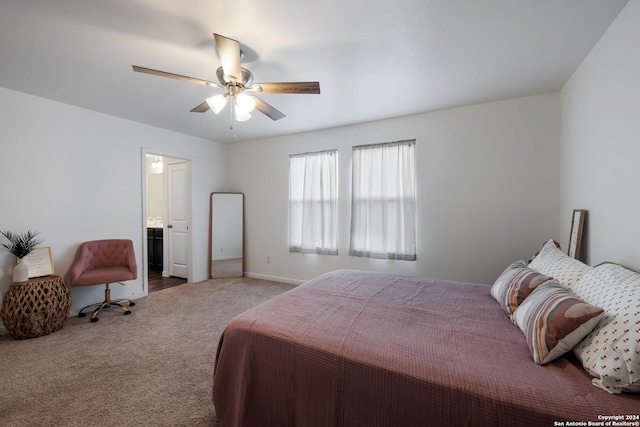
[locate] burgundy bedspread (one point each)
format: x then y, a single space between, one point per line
353 348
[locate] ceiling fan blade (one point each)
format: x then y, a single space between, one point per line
267 109
174 76
287 87
229 53
201 108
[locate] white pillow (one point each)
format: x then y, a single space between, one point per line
611 352
555 263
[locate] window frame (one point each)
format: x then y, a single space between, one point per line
383 203
313 226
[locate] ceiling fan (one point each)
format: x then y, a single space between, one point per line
237 80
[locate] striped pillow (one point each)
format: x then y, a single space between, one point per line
515 284
554 320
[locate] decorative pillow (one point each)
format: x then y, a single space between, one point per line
553 262
611 352
554 320
515 284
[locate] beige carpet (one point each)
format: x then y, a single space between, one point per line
152 368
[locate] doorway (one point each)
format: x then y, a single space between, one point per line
166 219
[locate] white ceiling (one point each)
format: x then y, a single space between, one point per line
374 59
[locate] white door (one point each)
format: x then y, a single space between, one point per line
178 224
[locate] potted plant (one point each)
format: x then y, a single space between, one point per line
20 245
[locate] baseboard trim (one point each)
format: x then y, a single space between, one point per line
200 279
274 278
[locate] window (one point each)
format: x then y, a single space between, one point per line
383 205
313 202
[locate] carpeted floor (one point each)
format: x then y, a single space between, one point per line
152 368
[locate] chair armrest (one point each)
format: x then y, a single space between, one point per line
133 266
79 264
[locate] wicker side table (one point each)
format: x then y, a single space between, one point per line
37 307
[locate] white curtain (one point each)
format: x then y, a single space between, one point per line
383 205
313 202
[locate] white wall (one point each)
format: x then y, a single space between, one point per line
487 190
76 175
601 144
155 188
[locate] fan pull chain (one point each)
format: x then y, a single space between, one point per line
233 115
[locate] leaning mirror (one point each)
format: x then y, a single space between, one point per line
227 234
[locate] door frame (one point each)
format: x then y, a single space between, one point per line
143 212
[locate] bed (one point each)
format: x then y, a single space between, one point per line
353 348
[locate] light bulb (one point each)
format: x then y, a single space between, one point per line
245 102
242 116
217 103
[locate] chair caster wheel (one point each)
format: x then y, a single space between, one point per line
127 312
131 304
82 314
94 319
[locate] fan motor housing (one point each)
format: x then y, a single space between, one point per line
245 80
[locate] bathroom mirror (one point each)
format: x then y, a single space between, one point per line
226 249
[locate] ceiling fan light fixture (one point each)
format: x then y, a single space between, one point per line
217 102
242 116
245 102
236 79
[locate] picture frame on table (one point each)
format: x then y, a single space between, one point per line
40 262
575 237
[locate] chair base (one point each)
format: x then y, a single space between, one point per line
108 302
